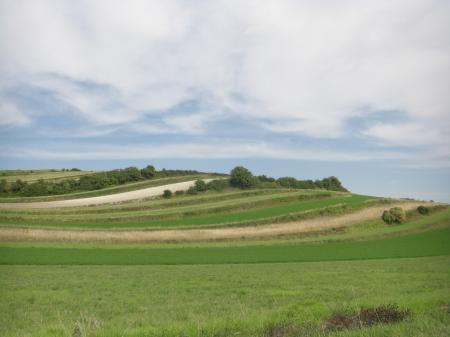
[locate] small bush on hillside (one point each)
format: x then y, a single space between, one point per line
3 186
192 190
200 185
242 178
394 215
167 194
217 184
179 192
423 210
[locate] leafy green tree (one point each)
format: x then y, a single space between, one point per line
148 172
240 177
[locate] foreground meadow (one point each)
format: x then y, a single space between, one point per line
222 300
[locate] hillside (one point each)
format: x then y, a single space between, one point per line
226 255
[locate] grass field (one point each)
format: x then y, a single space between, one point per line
35 175
280 286
221 300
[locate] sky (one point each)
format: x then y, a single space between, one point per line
355 89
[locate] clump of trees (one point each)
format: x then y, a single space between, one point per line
240 177
395 215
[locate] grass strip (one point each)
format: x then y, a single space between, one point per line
432 243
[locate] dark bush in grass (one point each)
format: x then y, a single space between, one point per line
384 314
167 194
3 186
192 190
200 185
179 192
423 210
217 184
395 215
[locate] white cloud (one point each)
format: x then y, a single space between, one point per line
407 134
10 115
301 67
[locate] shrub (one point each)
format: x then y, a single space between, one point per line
200 185
179 192
217 184
394 215
3 186
242 178
167 194
423 210
192 190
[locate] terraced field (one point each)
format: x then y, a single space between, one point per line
262 262
35 175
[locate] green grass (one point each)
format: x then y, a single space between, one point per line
220 300
35 175
431 243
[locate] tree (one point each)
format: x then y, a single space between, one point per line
192 190
200 185
240 177
167 194
148 172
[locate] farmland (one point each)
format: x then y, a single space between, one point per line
322 252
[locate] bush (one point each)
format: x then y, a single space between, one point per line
423 210
3 186
200 185
192 190
242 178
394 215
167 194
217 184
179 192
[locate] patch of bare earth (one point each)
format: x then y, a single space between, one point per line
207 234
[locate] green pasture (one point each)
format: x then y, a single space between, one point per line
35 175
430 243
221 300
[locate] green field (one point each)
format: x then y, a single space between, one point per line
35 175
221 300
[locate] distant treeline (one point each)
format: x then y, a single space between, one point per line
89 182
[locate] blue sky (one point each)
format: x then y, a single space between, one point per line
302 88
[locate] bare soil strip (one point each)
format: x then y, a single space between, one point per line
207 234
144 193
